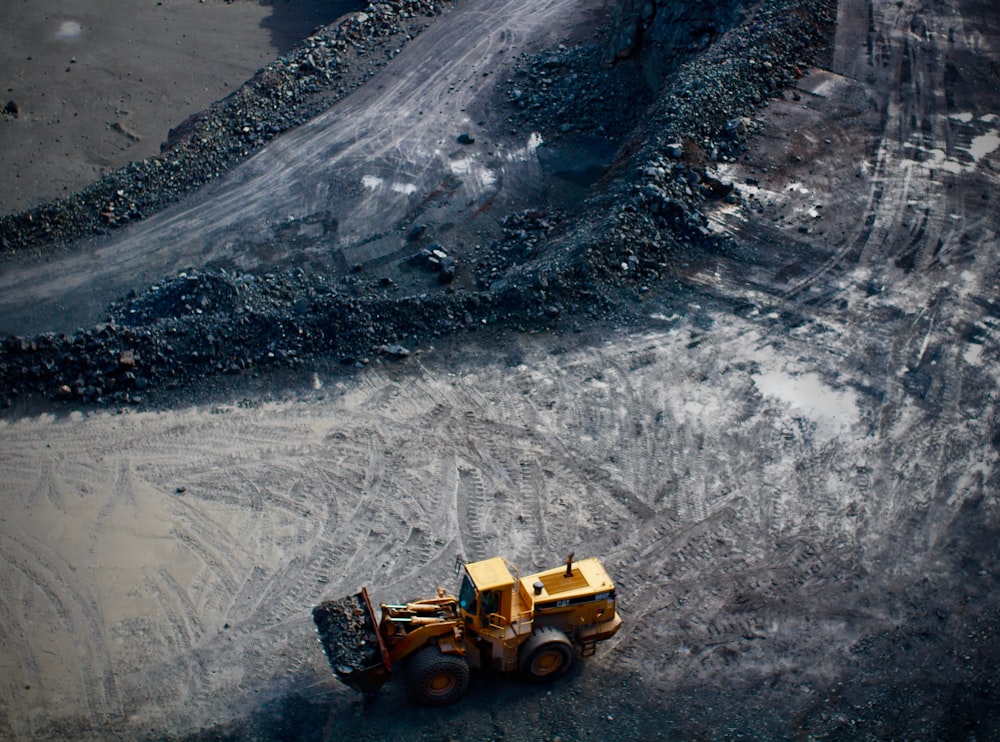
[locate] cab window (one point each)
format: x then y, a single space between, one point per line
490 602
467 595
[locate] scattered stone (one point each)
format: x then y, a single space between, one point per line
446 272
562 90
437 258
716 186
736 128
394 350
421 258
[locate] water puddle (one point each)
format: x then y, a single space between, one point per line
833 411
69 30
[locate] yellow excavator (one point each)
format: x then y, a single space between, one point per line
534 626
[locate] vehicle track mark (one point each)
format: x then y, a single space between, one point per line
78 616
178 625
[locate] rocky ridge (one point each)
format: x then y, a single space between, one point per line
543 273
654 212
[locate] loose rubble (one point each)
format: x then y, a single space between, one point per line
523 232
703 115
346 634
567 90
202 324
435 259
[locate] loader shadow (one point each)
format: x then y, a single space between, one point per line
495 705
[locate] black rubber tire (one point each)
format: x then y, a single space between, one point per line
436 679
546 655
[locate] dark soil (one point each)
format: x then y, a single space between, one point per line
324 68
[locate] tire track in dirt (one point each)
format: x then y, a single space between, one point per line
742 504
913 284
20 668
20 671
910 214
36 569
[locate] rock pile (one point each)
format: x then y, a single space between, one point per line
545 269
523 232
347 635
435 259
203 324
322 69
568 90
703 115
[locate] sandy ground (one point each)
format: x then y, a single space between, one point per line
99 84
791 471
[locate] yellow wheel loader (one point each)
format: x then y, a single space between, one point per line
534 626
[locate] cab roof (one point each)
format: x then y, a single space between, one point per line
490 574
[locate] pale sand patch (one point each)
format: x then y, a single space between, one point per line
99 85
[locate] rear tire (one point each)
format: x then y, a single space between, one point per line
436 679
546 655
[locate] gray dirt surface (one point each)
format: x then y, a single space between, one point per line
324 68
752 366
90 87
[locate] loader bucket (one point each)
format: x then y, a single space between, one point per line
349 634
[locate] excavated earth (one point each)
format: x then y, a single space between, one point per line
706 290
346 633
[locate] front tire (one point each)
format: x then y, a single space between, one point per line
436 679
546 655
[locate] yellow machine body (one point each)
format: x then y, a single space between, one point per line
500 609
532 624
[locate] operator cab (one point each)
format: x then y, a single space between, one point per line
486 594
